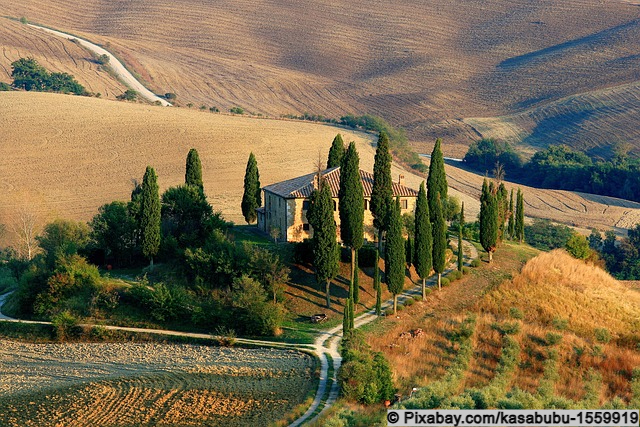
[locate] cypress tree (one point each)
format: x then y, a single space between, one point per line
150 215
376 285
503 210
356 283
351 206
345 319
382 190
488 220
439 242
193 174
519 226
408 251
395 256
325 247
512 220
251 198
336 152
352 317
437 180
460 255
422 257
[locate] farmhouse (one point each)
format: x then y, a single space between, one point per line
286 204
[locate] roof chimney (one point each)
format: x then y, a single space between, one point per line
316 181
401 179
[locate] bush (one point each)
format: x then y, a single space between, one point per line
128 95
444 282
65 326
4 87
602 335
417 297
170 96
408 302
578 246
553 338
476 262
367 256
546 236
507 328
560 324
516 313
454 275
236 110
465 270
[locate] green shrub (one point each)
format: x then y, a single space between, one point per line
476 262
65 326
507 328
388 312
417 297
602 335
560 324
454 275
465 270
516 313
552 338
236 110
4 87
444 282
170 96
128 95
408 302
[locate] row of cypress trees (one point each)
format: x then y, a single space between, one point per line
496 215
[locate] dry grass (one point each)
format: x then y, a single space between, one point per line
419 65
549 288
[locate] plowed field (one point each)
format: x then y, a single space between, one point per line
149 385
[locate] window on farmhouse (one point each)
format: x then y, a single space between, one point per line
305 227
305 205
404 204
335 206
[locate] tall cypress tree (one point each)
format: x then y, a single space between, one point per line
351 206
437 180
512 218
422 256
488 220
503 210
336 152
356 282
395 256
376 284
382 190
326 253
150 215
439 241
346 323
460 234
519 226
461 218
251 198
193 173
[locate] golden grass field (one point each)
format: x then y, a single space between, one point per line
149 384
422 66
550 289
64 156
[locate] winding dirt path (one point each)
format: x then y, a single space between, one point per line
118 68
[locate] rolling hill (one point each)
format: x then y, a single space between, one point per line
424 66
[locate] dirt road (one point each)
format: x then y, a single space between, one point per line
118 68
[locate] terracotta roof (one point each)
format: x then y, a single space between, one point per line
302 186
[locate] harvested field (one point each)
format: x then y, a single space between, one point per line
419 65
87 152
148 384
56 55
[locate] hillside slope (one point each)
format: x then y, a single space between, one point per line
420 65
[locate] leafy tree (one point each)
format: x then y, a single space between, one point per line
351 205
437 180
484 154
595 240
268 269
439 242
519 224
65 83
488 220
511 227
336 152
150 215
325 247
544 235
423 260
578 246
251 198
254 313
63 238
193 170
185 213
113 229
395 256
27 74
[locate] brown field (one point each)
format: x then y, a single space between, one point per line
420 65
550 287
148 384
64 156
